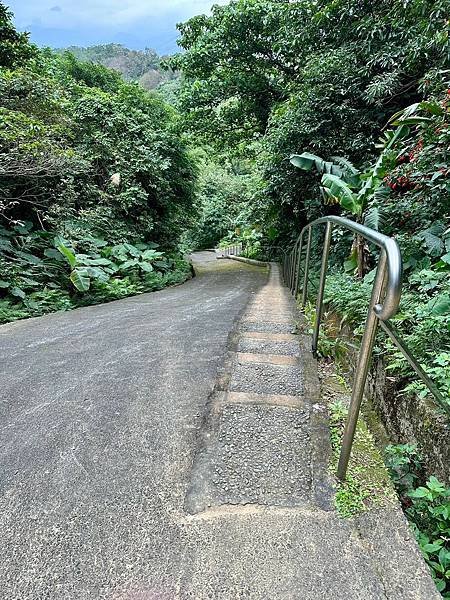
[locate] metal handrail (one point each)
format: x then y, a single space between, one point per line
234 250
384 303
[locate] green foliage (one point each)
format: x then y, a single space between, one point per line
54 274
265 79
343 184
367 483
430 514
230 207
427 508
404 464
91 170
14 46
415 170
90 74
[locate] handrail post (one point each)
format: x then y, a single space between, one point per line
297 266
306 275
291 267
320 293
362 368
294 266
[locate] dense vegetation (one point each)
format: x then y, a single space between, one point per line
143 66
96 187
266 80
427 506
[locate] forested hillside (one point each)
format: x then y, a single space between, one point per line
96 187
265 79
143 66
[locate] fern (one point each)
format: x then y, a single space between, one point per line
381 194
374 218
432 238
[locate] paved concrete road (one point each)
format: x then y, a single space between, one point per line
99 412
102 411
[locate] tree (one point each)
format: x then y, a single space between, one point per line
14 46
294 75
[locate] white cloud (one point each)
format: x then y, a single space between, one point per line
108 14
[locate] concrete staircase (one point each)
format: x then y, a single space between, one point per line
261 479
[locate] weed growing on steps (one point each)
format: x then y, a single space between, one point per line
426 503
367 484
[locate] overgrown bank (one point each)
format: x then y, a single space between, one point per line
96 186
424 498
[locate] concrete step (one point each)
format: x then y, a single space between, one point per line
267 378
263 467
258 346
257 447
259 454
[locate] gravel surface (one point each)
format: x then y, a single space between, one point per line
267 379
261 456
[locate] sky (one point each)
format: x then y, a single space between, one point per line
134 23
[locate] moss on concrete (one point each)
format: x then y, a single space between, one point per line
368 484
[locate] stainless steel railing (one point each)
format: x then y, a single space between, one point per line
235 250
384 302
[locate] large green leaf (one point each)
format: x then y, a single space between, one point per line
432 238
97 273
147 267
151 255
53 253
336 188
128 264
31 258
307 161
373 218
85 260
440 305
132 250
16 291
67 252
80 279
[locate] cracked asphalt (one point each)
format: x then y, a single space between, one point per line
101 413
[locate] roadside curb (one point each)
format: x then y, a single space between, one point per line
250 261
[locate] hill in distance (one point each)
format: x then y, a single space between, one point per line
143 66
